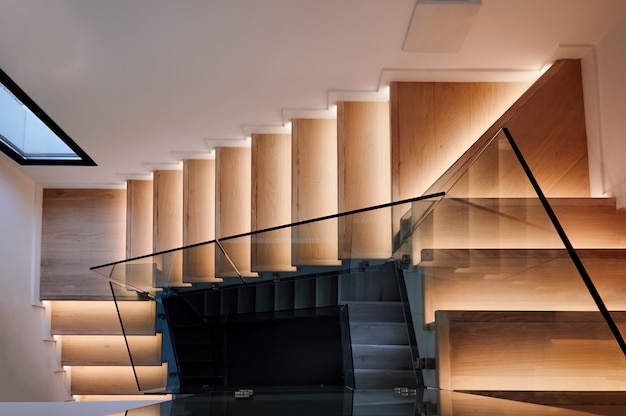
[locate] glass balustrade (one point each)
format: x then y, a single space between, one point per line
497 296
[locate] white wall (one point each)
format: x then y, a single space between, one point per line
609 154
27 363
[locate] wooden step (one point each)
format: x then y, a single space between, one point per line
517 279
199 220
271 202
529 351
117 379
314 191
521 223
100 318
364 179
564 404
95 350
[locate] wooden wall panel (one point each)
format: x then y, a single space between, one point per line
81 228
547 122
168 225
529 351
233 208
314 190
433 124
199 220
364 179
271 202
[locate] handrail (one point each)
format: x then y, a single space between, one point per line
568 245
279 227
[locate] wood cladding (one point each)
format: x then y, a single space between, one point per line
522 280
168 225
529 351
232 210
81 228
271 202
547 122
199 220
314 191
363 154
432 124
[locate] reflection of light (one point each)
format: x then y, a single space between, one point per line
544 69
333 109
288 125
385 92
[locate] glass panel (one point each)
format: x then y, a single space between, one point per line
485 265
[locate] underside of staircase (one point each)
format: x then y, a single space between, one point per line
496 304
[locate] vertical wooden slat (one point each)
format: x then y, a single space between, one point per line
364 173
138 218
314 191
168 224
139 222
233 208
271 202
199 220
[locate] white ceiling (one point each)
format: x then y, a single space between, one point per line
142 82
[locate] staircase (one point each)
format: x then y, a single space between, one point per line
483 265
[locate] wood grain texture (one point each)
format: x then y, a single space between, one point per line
81 228
546 117
533 351
522 223
139 213
139 224
522 280
271 202
110 350
116 379
100 318
168 225
434 123
233 170
364 179
314 191
199 220
463 404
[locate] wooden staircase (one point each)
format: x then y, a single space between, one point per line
488 265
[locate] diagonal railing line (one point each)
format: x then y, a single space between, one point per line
593 291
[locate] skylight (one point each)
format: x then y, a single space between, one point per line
29 136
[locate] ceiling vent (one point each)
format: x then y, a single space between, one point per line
440 26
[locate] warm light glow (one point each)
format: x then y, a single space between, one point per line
385 92
545 68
